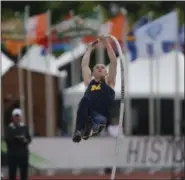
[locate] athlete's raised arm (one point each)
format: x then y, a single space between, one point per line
86 71
111 79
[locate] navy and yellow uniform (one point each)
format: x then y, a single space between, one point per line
96 103
100 96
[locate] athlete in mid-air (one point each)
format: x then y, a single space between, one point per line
94 107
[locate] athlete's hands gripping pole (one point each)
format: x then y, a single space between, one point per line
111 79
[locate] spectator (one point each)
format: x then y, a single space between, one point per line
17 139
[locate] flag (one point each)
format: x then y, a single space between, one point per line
171 45
142 21
57 48
152 41
14 30
116 26
131 44
113 27
181 34
13 34
11 44
151 38
72 26
36 27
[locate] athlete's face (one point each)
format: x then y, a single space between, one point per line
99 71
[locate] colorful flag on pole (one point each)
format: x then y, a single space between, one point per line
116 27
170 45
152 37
142 21
71 27
131 44
13 34
152 41
36 26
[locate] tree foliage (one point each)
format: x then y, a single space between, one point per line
61 8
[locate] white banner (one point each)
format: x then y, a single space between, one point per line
139 152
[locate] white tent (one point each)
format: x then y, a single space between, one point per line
6 64
34 61
139 79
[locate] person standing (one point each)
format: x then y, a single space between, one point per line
17 140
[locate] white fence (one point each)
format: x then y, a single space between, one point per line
134 152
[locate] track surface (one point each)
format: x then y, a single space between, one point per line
132 176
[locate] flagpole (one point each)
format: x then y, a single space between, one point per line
177 106
158 96
21 86
49 84
2 101
29 77
128 119
151 98
155 128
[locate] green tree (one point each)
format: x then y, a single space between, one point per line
61 8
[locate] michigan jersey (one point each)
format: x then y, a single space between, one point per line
100 96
